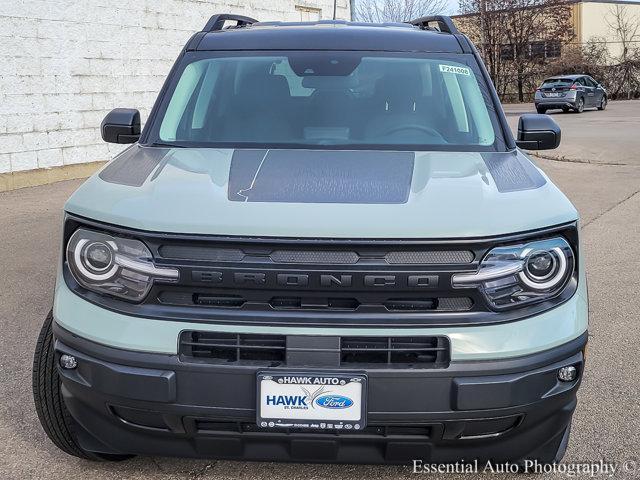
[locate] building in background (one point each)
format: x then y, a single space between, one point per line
591 20
66 63
548 37
595 21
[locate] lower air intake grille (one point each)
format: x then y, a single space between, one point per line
207 426
425 352
353 352
232 347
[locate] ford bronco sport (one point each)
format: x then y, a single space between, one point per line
325 245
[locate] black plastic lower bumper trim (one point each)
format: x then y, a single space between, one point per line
142 403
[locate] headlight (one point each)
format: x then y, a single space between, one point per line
521 274
117 266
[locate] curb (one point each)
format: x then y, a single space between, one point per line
41 176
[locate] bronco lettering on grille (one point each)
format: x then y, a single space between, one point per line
297 280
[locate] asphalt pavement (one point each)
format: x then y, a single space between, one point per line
606 424
602 137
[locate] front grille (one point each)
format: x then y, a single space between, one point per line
353 352
317 282
259 278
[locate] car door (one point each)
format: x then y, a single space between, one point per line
598 91
589 92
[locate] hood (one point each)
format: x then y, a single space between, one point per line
322 193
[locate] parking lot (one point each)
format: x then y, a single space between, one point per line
603 180
608 137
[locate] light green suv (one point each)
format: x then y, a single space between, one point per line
326 246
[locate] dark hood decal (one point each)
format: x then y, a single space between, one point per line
513 172
133 166
320 176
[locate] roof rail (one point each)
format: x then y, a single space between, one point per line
216 22
444 23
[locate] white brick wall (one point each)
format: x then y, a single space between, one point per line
65 63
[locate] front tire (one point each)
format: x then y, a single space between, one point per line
52 412
541 110
603 103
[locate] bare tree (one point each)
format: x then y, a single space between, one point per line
626 28
380 11
483 25
594 53
590 58
516 37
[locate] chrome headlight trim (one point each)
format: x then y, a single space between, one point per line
130 272
504 279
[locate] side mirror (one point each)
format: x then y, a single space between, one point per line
121 125
538 132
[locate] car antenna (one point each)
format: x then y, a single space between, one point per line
334 8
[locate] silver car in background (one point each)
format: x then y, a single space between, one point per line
570 92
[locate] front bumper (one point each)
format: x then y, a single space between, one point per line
160 404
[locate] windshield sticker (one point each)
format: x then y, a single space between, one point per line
456 70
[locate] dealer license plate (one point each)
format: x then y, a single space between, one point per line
297 400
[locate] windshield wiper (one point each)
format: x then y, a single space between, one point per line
167 145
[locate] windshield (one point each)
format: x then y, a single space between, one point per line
328 99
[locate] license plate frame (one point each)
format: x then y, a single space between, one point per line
334 390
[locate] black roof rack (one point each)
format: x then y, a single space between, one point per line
424 34
444 23
216 22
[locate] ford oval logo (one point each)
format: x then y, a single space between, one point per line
334 401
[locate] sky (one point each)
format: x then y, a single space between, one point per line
453 7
